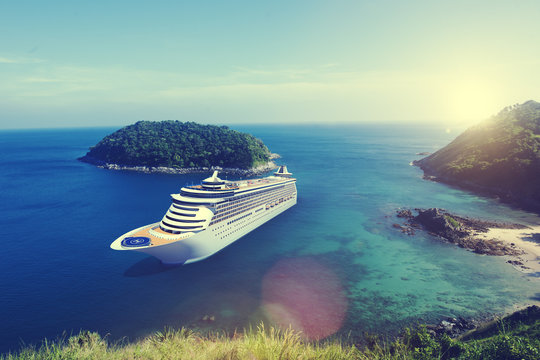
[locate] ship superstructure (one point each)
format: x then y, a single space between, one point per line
205 218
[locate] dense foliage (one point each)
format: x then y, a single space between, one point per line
501 155
177 144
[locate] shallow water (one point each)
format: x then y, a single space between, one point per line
59 217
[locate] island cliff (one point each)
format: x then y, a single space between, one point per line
498 157
174 146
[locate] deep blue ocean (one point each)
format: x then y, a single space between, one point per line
58 217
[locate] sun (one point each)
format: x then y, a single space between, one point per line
470 100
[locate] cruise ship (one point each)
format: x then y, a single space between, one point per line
205 218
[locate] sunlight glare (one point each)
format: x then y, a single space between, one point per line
470 100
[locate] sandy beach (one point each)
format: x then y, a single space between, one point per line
523 239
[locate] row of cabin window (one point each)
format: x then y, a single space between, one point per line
185 208
184 221
252 203
178 202
182 214
208 196
238 198
258 195
240 218
217 219
181 227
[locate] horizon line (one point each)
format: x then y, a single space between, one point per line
318 124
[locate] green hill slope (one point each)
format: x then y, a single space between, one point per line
178 145
515 337
500 156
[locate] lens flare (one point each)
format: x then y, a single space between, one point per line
304 295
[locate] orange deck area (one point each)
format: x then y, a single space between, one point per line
155 240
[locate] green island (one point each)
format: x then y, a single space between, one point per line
516 336
174 144
498 157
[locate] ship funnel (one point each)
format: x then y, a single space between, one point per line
282 171
213 182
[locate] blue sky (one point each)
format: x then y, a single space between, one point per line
75 63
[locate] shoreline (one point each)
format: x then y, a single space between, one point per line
505 196
529 261
258 170
517 244
482 237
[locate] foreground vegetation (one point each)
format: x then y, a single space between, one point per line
500 156
512 338
179 145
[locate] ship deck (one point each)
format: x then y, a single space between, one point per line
246 184
155 241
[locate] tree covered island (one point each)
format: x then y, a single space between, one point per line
500 156
176 145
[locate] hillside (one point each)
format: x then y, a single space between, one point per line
513 337
500 156
175 144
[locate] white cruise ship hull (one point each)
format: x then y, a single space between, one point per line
208 242
203 219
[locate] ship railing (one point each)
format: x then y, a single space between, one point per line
166 236
137 229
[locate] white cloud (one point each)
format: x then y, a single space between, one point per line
324 94
40 80
19 60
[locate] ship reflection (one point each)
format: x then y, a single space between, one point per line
148 266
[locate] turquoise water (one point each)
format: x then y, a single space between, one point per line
332 262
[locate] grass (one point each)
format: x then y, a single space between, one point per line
260 343
513 340
453 221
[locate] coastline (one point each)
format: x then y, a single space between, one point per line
507 196
529 261
258 170
518 244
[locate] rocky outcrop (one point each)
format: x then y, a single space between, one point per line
261 169
441 223
486 325
458 230
452 327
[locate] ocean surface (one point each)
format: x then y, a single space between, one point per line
331 265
